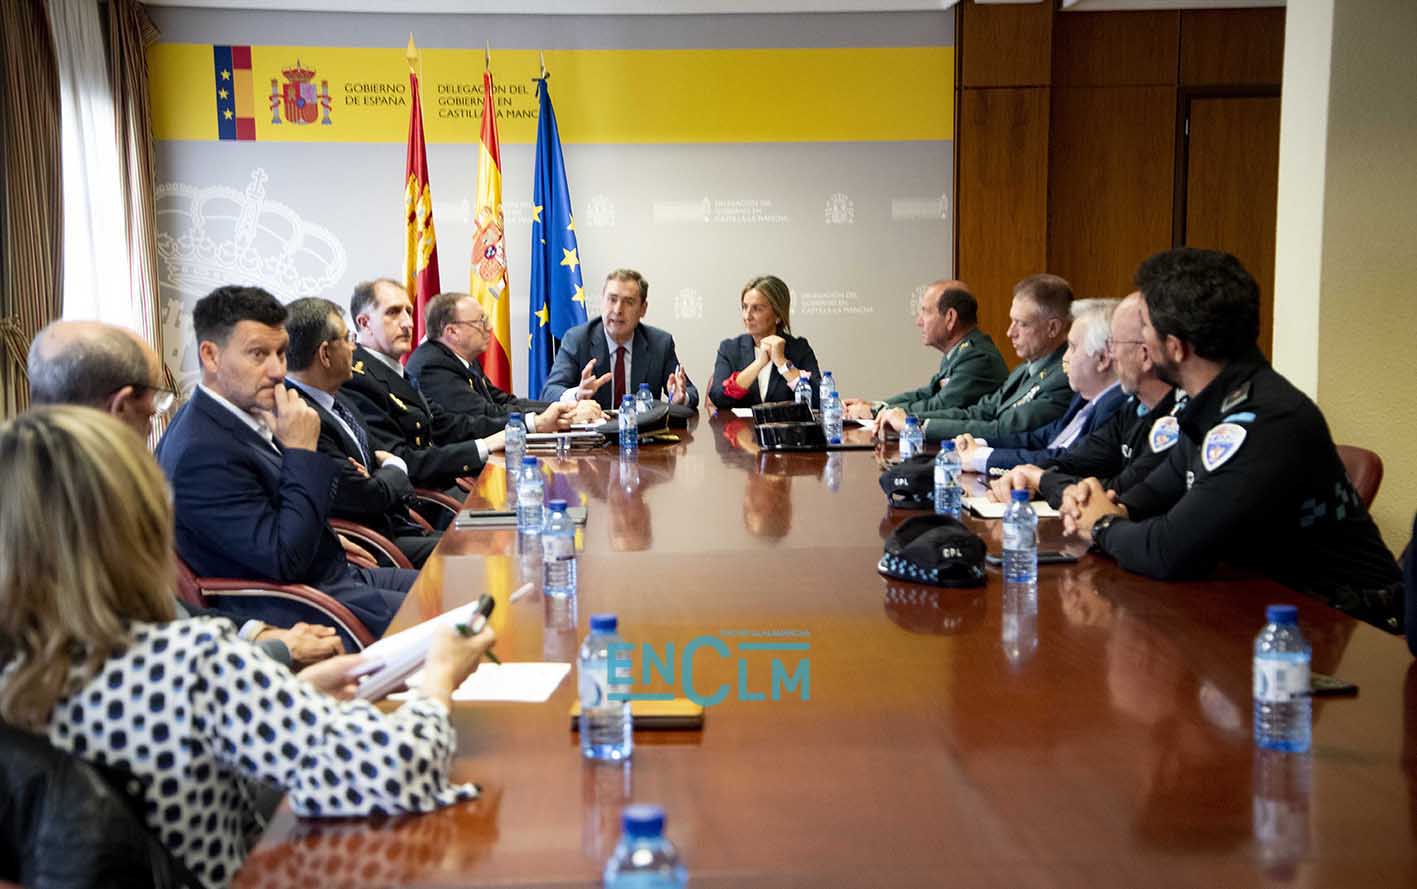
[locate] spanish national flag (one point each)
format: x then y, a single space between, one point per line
489 255
420 258
235 93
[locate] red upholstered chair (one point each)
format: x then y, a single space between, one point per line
382 548
437 507
197 591
1365 471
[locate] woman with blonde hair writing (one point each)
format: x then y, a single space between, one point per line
92 658
762 364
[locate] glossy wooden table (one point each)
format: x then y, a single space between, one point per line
1096 735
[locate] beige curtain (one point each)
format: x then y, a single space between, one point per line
31 220
131 32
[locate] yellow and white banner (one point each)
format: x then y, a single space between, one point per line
206 92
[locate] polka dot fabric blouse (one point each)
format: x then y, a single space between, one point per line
195 713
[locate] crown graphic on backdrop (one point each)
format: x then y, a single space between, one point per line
208 237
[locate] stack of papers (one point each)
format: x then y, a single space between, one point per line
522 683
389 662
985 508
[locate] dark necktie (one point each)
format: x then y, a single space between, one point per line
360 437
619 376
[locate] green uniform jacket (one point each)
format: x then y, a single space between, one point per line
971 369
1028 399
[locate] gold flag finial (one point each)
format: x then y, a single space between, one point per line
487 56
411 53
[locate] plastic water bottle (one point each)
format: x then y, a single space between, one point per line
912 440
629 426
530 492
605 724
1020 541
802 391
643 858
1282 708
515 439
558 552
827 387
643 399
831 417
948 494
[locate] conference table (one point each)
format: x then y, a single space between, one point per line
1094 734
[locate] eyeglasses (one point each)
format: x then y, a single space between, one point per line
480 322
163 398
350 337
1111 343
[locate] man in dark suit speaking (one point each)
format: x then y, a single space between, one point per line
624 351
252 495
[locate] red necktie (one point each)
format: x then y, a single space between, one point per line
619 375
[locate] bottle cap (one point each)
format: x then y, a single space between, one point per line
1282 614
644 387
528 461
1020 496
911 421
834 394
514 415
603 623
642 822
627 398
557 506
947 445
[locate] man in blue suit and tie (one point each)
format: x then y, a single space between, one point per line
251 493
1096 396
626 352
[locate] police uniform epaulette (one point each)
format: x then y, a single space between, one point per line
358 367
1237 396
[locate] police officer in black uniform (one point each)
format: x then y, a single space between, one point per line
1255 480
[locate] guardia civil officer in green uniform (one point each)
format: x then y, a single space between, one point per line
1254 481
970 369
1035 394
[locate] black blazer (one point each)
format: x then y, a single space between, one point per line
652 361
736 353
439 446
379 501
443 378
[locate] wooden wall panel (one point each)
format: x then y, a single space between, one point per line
1232 185
1001 198
1111 179
1006 45
1232 46
1115 48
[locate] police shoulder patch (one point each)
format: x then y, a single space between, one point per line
1165 432
1221 443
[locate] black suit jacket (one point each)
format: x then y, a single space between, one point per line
652 361
736 353
439 446
462 389
379 500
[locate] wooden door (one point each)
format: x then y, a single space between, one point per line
1232 186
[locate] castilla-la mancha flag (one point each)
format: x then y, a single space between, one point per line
420 258
489 254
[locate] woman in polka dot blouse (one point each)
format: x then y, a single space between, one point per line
91 657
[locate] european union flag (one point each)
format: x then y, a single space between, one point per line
557 294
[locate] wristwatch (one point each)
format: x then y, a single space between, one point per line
784 368
1102 524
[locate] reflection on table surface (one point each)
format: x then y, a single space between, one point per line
1094 733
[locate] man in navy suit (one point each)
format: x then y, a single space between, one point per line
374 489
627 352
1093 378
252 495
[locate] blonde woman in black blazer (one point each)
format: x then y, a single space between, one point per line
763 364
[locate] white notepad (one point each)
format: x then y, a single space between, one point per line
988 509
531 683
388 662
